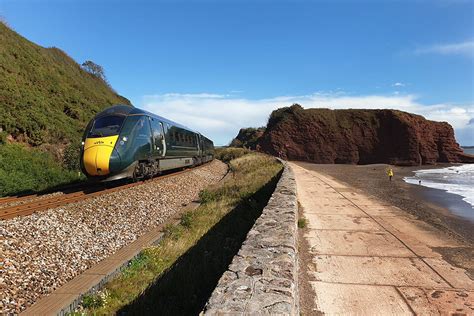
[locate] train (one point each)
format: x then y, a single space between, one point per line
124 142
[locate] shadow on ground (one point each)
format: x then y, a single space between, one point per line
185 288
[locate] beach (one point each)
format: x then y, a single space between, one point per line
429 205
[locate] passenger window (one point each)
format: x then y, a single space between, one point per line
156 131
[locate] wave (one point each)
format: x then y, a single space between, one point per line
457 180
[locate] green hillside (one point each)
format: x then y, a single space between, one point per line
45 96
46 100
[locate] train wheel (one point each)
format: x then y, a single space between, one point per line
136 173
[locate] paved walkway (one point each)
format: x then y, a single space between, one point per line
371 258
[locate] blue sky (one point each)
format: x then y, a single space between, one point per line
217 66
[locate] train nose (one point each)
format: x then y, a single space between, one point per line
97 154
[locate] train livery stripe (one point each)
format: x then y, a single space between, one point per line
97 152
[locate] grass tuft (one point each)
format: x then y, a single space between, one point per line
92 301
302 223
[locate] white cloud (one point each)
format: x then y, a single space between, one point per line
464 48
398 84
221 116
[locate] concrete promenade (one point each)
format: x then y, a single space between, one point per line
367 258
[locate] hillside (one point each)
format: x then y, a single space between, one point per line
45 96
46 100
359 137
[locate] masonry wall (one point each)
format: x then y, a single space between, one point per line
263 276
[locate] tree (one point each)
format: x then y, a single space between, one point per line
94 69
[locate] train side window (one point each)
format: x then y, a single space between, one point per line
142 128
156 131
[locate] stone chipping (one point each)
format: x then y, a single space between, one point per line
42 251
263 276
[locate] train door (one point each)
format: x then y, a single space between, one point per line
159 145
198 145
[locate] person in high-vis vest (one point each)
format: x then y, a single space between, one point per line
390 173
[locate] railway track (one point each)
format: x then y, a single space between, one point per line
82 193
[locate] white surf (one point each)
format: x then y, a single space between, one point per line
457 180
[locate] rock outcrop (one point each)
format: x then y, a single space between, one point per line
248 137
359 137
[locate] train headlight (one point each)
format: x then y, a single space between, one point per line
124 139
82 143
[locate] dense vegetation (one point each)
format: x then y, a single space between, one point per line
228 154
25 170
46 100
248 137
175 276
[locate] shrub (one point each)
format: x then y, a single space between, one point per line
92 301
24 170
228 154
206 196
187 219
72 156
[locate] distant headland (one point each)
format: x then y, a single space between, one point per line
354 137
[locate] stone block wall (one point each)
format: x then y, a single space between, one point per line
263 276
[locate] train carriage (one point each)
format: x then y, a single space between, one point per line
127 142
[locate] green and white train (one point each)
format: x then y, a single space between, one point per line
127 142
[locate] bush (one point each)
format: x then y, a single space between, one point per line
228 154
187 219
206 196
24 170
92 301
72 157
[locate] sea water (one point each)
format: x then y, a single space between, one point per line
469 150
457 180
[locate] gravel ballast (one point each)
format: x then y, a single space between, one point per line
40 252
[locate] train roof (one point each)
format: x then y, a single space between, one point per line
120 109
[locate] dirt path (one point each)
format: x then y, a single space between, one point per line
372 258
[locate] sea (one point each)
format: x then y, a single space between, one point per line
458 180
468 150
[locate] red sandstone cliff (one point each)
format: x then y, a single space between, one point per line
359 137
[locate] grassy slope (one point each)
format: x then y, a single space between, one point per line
44 94
251 173
45 99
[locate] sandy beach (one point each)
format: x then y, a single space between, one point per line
430 205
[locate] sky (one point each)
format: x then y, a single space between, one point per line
218 66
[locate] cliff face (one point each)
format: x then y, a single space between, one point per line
359 137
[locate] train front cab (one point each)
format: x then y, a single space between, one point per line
98 143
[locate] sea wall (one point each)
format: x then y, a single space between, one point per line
263 276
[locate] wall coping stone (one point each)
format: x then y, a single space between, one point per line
263 276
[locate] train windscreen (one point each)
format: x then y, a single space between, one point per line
106 126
